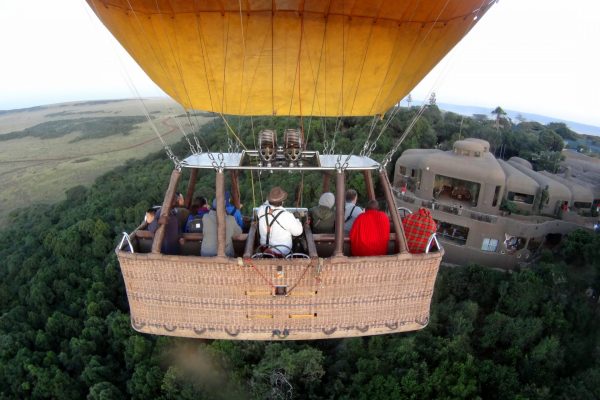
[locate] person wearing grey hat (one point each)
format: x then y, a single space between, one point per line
276 225
322 217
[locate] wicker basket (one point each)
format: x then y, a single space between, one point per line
276 299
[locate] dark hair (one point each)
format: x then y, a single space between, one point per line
200 201
351 194
151 210
276 203
373 205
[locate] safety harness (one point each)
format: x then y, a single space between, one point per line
269 211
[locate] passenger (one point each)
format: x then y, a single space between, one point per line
200 202
418 228
209 238
351 210
170 244
233 211
277 225
180 210
370 232
322 217
194 222
149 217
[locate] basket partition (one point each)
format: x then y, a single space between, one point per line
277 299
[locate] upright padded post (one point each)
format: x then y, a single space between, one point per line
326 179
165 210
191 187
235 190
369 184
221 227
389 198
339 212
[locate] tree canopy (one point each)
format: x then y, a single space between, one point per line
65 330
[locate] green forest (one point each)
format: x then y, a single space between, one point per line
65 331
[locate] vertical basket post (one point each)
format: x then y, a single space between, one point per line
389 198
165 210
339 212
220 188
235 190
191 187
369 184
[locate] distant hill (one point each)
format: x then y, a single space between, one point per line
45 150
542 119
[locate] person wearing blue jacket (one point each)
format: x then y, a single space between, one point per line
233 211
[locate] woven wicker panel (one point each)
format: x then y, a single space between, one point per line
225 298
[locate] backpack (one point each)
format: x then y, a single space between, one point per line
194 224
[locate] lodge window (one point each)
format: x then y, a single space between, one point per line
520 197
582 205
453 233
496 195
455 189
489 244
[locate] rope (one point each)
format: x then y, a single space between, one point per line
247 263
388 157
394 149
243 55
299 279
178 65
367 144
317 80
133 88
194 150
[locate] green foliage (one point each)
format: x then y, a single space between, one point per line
94 128
65 330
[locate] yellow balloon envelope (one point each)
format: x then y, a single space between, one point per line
289 57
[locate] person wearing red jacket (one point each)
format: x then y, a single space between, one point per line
370 233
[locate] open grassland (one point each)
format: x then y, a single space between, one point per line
36 168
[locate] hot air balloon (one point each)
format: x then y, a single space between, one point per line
331 58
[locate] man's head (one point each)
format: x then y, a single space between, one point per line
373 205
150 215
351 196
276 196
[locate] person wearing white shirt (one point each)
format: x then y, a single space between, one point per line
276 225
351 210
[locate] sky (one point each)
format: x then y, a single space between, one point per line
531 56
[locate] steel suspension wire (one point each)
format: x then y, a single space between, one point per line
316 81
178 65
133 88
388 157
252 172
394 149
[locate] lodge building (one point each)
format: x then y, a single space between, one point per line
494 212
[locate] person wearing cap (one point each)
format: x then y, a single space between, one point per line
209 233
370 232
276 225
351 210
322 217
180 211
